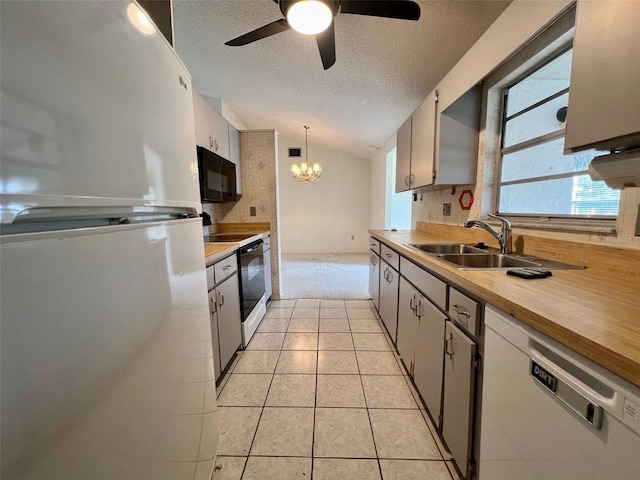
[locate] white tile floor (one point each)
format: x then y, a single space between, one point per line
320 394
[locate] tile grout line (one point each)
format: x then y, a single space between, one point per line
315 395
366 404
411 388
261 412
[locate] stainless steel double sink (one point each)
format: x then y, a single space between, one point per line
469 257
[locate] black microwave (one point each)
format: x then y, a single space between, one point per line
217 177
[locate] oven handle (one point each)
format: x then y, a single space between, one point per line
252 249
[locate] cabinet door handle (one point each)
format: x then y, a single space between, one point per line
448 345
390 279
214 306
419 309
373 260
210 141
412 179
215 145
461 312
412 303
221 299
406 180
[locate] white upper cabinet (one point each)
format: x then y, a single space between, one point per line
403 157
415 147
212 130
604 98
437 149
423 127
234 155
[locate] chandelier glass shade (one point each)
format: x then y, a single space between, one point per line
306 172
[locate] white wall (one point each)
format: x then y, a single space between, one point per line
378 185
321 217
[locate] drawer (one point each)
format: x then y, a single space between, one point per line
210 278
389 256
267 242
434 288
374 245
225 268
464 311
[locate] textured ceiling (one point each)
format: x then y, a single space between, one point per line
384 67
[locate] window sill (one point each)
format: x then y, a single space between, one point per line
605 227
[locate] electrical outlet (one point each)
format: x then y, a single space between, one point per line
252 211
446 209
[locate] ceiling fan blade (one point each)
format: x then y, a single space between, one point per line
260 33
402 9
327 46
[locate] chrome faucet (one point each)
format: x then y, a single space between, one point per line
504 237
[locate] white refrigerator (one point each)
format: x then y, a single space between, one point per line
106 356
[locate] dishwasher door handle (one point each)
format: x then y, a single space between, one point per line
587 410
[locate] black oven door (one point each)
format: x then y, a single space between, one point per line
251 259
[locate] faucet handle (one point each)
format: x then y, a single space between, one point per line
506 222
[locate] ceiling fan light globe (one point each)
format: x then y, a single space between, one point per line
309 17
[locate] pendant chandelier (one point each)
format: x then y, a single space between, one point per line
305 172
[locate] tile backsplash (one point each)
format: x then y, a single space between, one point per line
258 157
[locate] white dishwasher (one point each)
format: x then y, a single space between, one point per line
548 412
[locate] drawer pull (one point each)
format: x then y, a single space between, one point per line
388 255
461 312
226 267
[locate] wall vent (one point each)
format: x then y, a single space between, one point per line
295 152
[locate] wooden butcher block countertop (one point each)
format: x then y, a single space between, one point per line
594 311
218 250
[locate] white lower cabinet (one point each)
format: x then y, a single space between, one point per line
374 278
459 390
421 344
224 309
428 355
388 307
407 324
268 285
213 317
229 320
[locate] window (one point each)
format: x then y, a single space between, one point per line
535 178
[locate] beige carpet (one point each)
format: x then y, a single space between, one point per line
322 275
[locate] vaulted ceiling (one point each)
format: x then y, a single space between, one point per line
384 67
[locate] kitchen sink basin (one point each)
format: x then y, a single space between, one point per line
488 260
439 248
468 257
